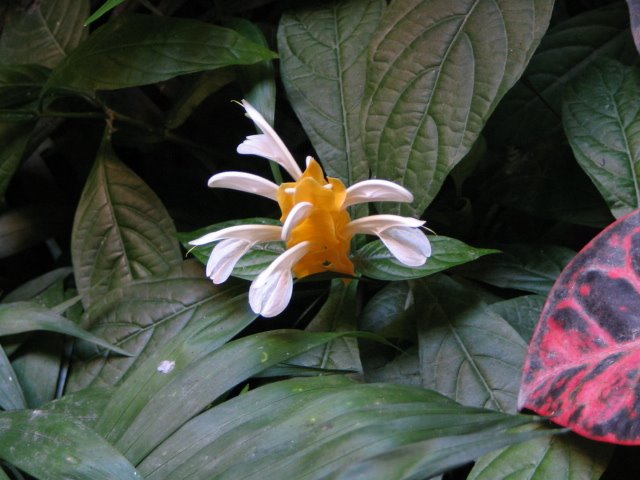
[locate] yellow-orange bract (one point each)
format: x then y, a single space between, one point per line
326 224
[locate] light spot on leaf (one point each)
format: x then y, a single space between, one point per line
166 366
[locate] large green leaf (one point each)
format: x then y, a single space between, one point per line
142 49
53 446
467 352
522 313
323 59
374 260
84 406
532 107
44 33
436 71
20 317
310 428
541 458
194 386
11 395
601 117
141 317
121 230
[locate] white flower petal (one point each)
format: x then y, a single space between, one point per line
245 182
409 245
269 144
374 224
376 191
250 232
224 257
298 213
271 291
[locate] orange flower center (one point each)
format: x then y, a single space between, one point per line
325 226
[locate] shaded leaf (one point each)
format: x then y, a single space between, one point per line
374 260
44 33
13 142
37 286
49 445
530 268
522 313
21 84
532 108
467 352
107 6
84 406
634 15
389 312
577 459
601 118
323 50
310 428
434 76
142 317
121 230
11 394
133 50
20 317
402 370
582 369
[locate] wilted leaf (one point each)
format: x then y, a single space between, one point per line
582 366
434 75
137 50
44 33
323 50
374 260
601 118
121 231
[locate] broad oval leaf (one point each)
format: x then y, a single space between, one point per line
582 366
44 33
601 117
50 445
323 59
121 231
374 260
436 71
134 50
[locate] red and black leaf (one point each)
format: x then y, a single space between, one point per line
583 365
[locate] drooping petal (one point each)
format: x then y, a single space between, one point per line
409 245
271 291
224 257
374 224
376 191
297 214
245 182
268 145
253 233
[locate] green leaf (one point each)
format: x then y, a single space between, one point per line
530 268
323 59
467 352
532 108
137 50
434 76
104 8
37 286
21 84
522 313
20 317
11 395
310 428
13 142
375 261
48 445
252 263
44 33
576 457
143 316
601 118
121 231
194 386
389 312
84 406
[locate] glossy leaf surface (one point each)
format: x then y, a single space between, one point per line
582 366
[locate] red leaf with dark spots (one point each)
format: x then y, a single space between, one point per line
583 365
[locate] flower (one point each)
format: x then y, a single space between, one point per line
316 226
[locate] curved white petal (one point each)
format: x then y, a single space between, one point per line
245 182
374 224
298 213
409 245
224 257
269 144
253 233
376 191
271 291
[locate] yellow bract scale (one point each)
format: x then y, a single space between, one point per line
325 226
